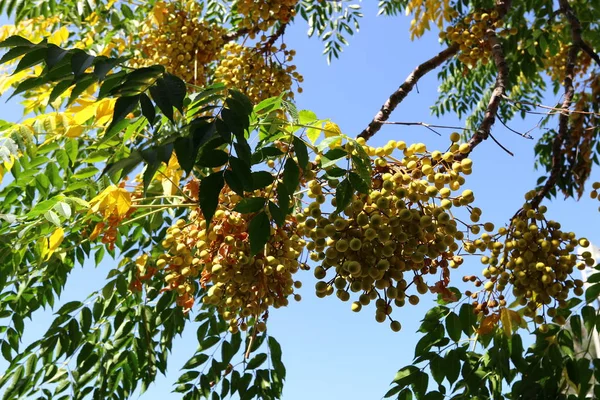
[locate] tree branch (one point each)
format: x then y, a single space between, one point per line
563 120
576 30
400 94
483 132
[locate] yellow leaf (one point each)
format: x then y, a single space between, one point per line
171 176
506 319
314 133
83 115
6 166
332 129
142 260
104 111
121 201
74 131
159 12
97 231
59 37
487 324
112 201
56 239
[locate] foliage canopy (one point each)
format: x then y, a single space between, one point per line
164 134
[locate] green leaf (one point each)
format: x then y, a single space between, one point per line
331 158
43 206
406 394
592 293
123 106
419 385
250 204
588 313
268 105
160 95
436 365
291 175
14 53
261 179
452 366
357 183
80 61
265 153
453 326
210 188
69 307
393 391
188 376
406 375
196 361
52 217
213 158
468 319
257 361
208 342
234 182
138 81
259 232
63 209
227 352
148 109
306 117
33 57
277 214
16 40
343 194
301 152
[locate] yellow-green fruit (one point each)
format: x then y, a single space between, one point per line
356 306
395 326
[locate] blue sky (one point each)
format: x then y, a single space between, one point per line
330 352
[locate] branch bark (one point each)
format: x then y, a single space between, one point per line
483 132
576 30
396 98
557 168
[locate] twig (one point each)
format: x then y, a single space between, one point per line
498 143
426 125
563 120
404 89
555 110
525 135
483 132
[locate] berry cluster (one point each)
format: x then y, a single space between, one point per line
535 257
394 237
240 286
263 14
470 35
257 73
180 41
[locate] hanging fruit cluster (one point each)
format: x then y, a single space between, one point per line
534 257
555 62
179 40
395 236
256 72
263 14
470 35
241 286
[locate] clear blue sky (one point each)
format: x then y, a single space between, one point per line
330 352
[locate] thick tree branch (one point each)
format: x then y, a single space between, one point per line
557 168
400 94
483 132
